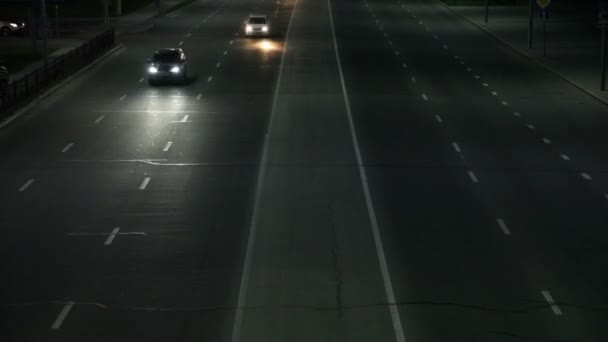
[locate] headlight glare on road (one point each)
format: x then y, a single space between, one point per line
248 28
152 70
264 28
175 69
14 25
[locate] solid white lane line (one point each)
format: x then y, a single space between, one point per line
123 97
424 97
26 185
388 286
546 141
99 119
209 79
111 237
218 64
167 146
185 118
503 226
62 315
198 97
144 183
556 310
530 126
586 176
564 157
67 147
473 177
456 147
141 80
438 118
242 296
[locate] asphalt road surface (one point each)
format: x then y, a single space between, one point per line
375 171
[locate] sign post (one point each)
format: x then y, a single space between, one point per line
531 24
543 5
603 24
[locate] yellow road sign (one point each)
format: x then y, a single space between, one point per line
543 3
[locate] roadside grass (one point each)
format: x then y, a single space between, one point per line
16 59
176 7
483 2
87 9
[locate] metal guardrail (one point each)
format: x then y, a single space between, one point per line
34 83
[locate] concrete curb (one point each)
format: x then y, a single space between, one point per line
168 12
26 108
536 61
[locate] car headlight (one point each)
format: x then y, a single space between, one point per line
13 25
264 28
175 69
248 28
152 70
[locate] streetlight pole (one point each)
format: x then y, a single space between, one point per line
487 10
44 33
531 24
604 56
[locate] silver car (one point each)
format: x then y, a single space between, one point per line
8 27
257 25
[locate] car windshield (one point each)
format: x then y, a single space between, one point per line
257 20
166 57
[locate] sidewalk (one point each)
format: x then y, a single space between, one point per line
573 40
74 32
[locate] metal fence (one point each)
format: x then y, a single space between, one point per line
21 90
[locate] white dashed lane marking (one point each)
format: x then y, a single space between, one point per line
62 315
504 103
209 79
413 79
185 118
503 226
424 97
198 97
181 43
167 146
438 118
99 119
473 177
144 183
564 157
141 80
26 185
123 97
556 310
546 141
456 147
494 93
218 64
111 237
404 65
586 176
530 126
67 147
516 114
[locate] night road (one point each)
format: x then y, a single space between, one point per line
375 170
